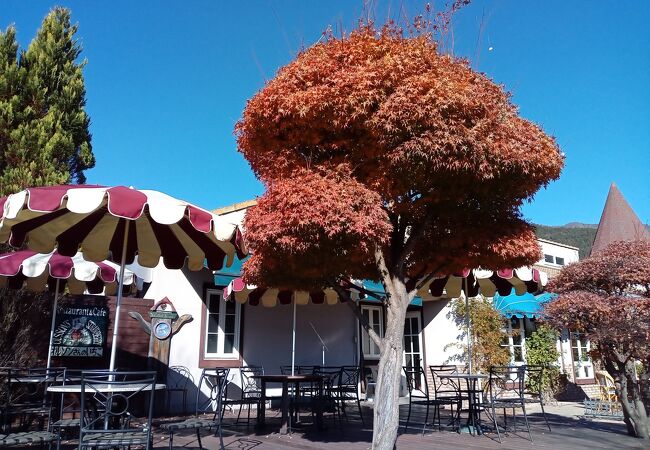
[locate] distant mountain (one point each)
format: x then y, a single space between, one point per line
581 225
574 234
577 234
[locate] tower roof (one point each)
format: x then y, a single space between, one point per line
618 222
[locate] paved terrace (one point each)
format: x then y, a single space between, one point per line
570 432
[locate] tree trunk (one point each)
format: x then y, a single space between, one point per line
386 410
629 394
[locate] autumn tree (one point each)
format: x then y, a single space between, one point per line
44 135
386 160
607 297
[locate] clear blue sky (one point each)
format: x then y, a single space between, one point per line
167 80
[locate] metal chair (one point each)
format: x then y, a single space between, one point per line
534 377
445 390
209 412
349 389
509 391
178 379
328 399
251 392
69 413
23 396
418 389
108 406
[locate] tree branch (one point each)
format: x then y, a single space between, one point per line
416 233
357 312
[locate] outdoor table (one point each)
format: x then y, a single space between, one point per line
105 388
285 380
474 402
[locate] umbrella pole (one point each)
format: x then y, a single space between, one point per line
293 340
56 300
120 285
469 331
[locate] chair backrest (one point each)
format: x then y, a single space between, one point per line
307 370
350 376
286 370
416 382
249 385
331 377
179 377
444 387
110 399
214 382
534 379
607 386
507 382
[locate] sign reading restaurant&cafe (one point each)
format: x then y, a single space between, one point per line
80 330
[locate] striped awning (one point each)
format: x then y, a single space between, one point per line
486 283
242 293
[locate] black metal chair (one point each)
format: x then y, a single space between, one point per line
209 411
534 386
23 397
418 389
251 391
508 391
69 412
109 402
349 389
446 391
328 398
178 379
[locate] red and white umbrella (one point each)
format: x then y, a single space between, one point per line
118 223
40 271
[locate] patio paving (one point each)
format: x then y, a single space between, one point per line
570 432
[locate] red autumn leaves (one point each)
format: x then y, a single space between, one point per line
373 139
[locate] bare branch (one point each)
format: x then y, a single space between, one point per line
357 312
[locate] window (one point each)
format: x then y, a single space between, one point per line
515 333
374 316
222 326
554 260
580 347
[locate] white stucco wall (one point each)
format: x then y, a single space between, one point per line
439 331
569 253
266 332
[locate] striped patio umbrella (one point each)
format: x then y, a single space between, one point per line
118 223
40 271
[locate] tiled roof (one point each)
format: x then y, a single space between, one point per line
618 222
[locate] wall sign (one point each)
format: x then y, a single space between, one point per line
80 331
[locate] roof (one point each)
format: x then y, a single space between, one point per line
618 222
559 244
234 207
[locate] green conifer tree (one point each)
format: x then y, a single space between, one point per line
44 135
44 140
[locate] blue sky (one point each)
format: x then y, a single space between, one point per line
167 80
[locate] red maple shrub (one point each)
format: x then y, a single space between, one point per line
607 297
384 159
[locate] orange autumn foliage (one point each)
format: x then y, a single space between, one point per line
375 140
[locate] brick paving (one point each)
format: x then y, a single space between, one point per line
569 432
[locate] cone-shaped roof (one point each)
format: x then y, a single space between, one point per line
618 222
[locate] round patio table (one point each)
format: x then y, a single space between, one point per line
285 380
473 398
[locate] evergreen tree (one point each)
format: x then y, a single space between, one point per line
44 136
44 140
